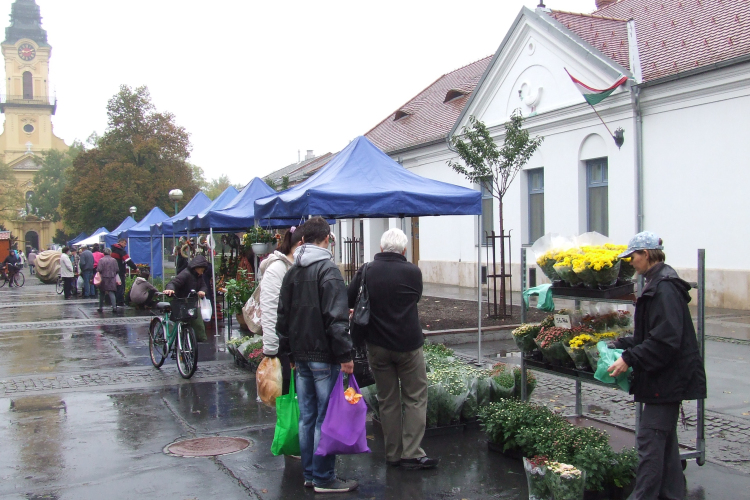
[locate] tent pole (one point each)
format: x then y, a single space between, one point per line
213 276
151 263
163 271
479 290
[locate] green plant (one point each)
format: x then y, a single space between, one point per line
257 235
238 291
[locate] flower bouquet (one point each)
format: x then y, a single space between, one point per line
565 481
524 336
575 349
547 264
536 469
592 353
564 266
626 268
550 342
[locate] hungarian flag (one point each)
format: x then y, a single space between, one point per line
595 96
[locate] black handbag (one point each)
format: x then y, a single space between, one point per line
358 330
361 314
362 370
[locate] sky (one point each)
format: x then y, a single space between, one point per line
256 82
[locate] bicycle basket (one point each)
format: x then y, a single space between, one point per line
184 309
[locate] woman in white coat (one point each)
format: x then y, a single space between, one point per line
273 269
67 273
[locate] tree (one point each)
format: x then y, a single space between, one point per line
11 198
62 238
491 167
50 181
141 157
215 187
284 183
271 183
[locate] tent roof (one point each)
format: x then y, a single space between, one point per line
199 202
362 181
94 238
219 202
78 238
143 228
113 236
238 215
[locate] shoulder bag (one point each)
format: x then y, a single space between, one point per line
358 330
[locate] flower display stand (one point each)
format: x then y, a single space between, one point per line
580 377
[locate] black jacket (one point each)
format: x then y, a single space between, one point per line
667 366
313 317
122 258
189 279
395 287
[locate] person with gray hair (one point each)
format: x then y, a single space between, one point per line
108 270
394 348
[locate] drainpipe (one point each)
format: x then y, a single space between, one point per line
635 93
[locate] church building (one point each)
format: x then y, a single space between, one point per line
28 109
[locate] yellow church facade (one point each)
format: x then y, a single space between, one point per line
28 109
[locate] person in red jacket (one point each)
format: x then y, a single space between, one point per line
120 254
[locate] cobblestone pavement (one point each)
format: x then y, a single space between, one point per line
4 305
130 377
74 323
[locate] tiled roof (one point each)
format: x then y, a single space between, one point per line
608 35
679 35
428 116
310 167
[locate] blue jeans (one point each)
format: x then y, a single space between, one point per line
314 383
88 287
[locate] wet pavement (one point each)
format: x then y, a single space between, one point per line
84 415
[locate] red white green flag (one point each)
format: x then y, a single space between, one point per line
595 96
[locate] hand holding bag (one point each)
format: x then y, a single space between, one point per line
118 280
206 310
97 279
286 435
343 431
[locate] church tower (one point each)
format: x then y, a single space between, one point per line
28 109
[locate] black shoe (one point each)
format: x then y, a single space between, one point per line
419 463
337 485
309 483
395 463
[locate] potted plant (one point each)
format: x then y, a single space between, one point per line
258 239
237 292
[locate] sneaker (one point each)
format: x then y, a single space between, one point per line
309 483
419 463
337 485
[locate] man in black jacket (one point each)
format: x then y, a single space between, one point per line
394 348
667 368
120 254
188 280
312 325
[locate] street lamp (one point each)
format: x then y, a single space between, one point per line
175 195
133 210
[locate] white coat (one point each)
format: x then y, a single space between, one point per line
273 270
66 267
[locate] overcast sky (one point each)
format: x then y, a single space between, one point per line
254 82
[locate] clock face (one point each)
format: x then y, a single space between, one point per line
26 52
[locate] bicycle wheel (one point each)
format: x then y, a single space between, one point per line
157 343
187 351
3 281
59 286
19 279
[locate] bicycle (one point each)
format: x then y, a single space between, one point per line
60 285
170 332
18 278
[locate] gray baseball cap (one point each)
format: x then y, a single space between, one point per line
642 241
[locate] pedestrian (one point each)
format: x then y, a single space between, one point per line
182 254
394 348
11 266
142 292
32 261
108 270
67 272
188 280
312 325
273 269
120 254
667 368
97 254
86 265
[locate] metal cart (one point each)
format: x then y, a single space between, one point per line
581 377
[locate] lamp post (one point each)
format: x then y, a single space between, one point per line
175 195
133 210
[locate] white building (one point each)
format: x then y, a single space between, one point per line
682 171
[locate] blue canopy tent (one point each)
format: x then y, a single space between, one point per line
221 201
363 182
237 215
195 206
94 238
114 236
140 247
78 238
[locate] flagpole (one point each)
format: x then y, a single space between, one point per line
600 118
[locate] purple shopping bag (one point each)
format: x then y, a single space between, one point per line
343 431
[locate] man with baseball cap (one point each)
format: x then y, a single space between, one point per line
667 367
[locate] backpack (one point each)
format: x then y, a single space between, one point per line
251 310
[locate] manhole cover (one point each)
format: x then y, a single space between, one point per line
207 447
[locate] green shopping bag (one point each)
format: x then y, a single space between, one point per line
607 357
286 435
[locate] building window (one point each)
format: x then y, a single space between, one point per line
488 214
536 204
597 193
28 85
28 128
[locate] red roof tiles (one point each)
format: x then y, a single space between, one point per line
608 35
678 35
428 117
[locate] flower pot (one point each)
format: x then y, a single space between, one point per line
259 248
535 478
241 322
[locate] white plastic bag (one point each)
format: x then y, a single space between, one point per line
251 312
79 283
206 310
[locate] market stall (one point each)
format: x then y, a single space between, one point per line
140 245
183 225
95 237
114 236
78 238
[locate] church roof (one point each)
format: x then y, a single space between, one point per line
25 22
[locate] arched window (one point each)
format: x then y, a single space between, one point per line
28 85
